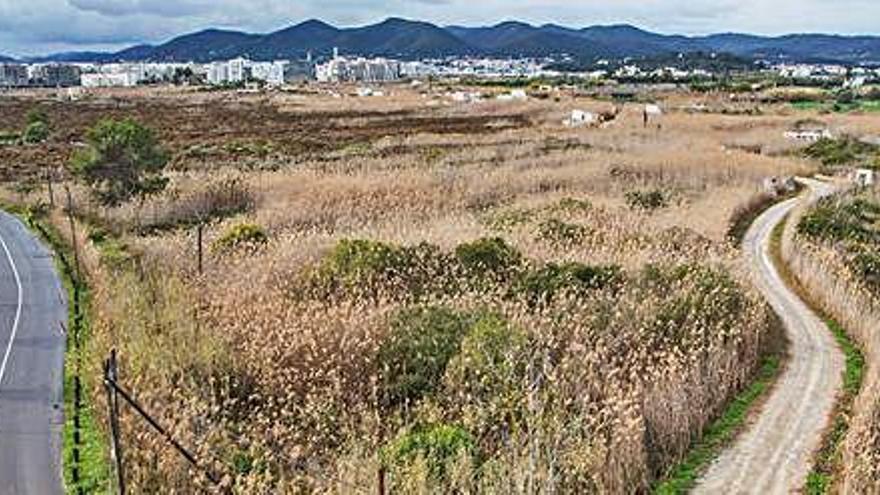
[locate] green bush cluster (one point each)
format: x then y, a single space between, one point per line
562 233
842 151
542 285
647 200
372 269
414 356
241 235
842 220
488 256
437 445
471 364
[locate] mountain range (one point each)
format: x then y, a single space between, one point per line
408 39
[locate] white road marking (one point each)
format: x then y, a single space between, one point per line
17 311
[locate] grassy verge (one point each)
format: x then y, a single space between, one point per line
721 432
93 468
828 460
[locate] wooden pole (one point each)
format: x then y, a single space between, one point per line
110 375
200 237
73 232
51 191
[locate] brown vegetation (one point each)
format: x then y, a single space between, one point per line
587 333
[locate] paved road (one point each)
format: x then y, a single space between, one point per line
32 311
774 455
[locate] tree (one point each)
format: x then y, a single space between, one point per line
38 127
123 160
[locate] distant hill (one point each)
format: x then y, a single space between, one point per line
4 58
408 39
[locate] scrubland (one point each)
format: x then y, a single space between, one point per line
834 249
445 297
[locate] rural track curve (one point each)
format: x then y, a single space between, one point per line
774 454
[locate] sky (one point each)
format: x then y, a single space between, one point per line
34 27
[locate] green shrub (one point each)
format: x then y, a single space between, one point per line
485 380
438 445
364 267
488 256
563 233
542 285
572 205
833 219
509 219
242 235
647 200
36 133
414 356
845 150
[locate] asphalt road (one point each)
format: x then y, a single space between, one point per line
774 455
33 315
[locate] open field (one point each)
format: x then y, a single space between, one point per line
459 295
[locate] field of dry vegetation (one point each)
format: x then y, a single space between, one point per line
834 249
448 297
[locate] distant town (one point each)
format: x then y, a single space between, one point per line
355 69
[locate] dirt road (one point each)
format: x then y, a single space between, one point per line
774 455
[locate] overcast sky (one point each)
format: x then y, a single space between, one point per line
30 27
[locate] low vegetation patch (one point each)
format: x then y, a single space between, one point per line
244 235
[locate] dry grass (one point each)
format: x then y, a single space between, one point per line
283 391
824 267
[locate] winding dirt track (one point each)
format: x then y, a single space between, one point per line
774 455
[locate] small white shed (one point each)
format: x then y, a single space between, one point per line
864 177
580 118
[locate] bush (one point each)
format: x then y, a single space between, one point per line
488 256
413 358
559 232
541 286
368 268
35 133
839 152
841 220
647 200
486 379
439 446
572 205
242 235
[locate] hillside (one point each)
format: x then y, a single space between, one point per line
409 39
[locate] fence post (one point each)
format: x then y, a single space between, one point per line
110 376
73 231
51 191
200 238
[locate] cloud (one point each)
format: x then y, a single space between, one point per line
116 8
39 26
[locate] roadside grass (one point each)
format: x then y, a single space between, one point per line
828 461
721 432
94 472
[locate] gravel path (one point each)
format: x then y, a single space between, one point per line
774 455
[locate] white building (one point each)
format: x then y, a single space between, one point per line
100 80
342 69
